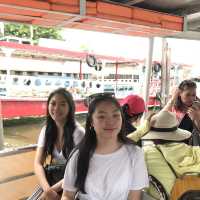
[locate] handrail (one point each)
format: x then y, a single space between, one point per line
13 178
18 150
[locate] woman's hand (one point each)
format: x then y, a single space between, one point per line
175 94
58 186
193 113
170 104
134 195
50 194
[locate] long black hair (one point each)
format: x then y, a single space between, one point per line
184 85
51 132
88 144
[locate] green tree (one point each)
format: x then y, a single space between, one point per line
51 33
24 31
18 30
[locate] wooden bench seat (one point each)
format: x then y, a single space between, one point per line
17 179
18 189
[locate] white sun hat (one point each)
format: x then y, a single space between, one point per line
165 127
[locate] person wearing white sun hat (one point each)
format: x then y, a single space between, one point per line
169 156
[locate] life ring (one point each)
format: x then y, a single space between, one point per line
91 60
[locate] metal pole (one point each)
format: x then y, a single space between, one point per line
8 53
31 33
116 76
165 76
1 128
80 71
82 7
2 31
148 69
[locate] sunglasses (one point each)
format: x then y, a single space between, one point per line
92 97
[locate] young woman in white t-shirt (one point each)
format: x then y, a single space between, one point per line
107 165
57 138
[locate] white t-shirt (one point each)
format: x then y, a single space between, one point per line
110 176
58 156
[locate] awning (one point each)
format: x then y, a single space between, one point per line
91 15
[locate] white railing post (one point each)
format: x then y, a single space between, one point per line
148 70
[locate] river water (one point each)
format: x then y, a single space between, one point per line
26 134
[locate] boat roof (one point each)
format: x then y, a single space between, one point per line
20 49
126 17
147 18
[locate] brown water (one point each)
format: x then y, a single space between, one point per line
22 135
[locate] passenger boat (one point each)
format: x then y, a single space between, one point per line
29 73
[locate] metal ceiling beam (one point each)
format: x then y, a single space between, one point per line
190 35
193 21
193 17
188 10
133 2
194 25
187 33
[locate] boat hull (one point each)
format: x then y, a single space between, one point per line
21 108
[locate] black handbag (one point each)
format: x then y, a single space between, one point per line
54 173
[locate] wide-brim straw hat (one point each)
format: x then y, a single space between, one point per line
165 127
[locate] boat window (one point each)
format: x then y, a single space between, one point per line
57 83
75 84
68 75
3 72
136 76
86 76
120 89
3 91
15 81
48 82
130 88
41 73
3 39
30 73
14 40
50 73
26 42
67 84
75 75
83 84
38 82
109 90
18 72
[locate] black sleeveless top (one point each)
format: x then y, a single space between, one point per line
186 123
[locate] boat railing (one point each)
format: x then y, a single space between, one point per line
18 150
